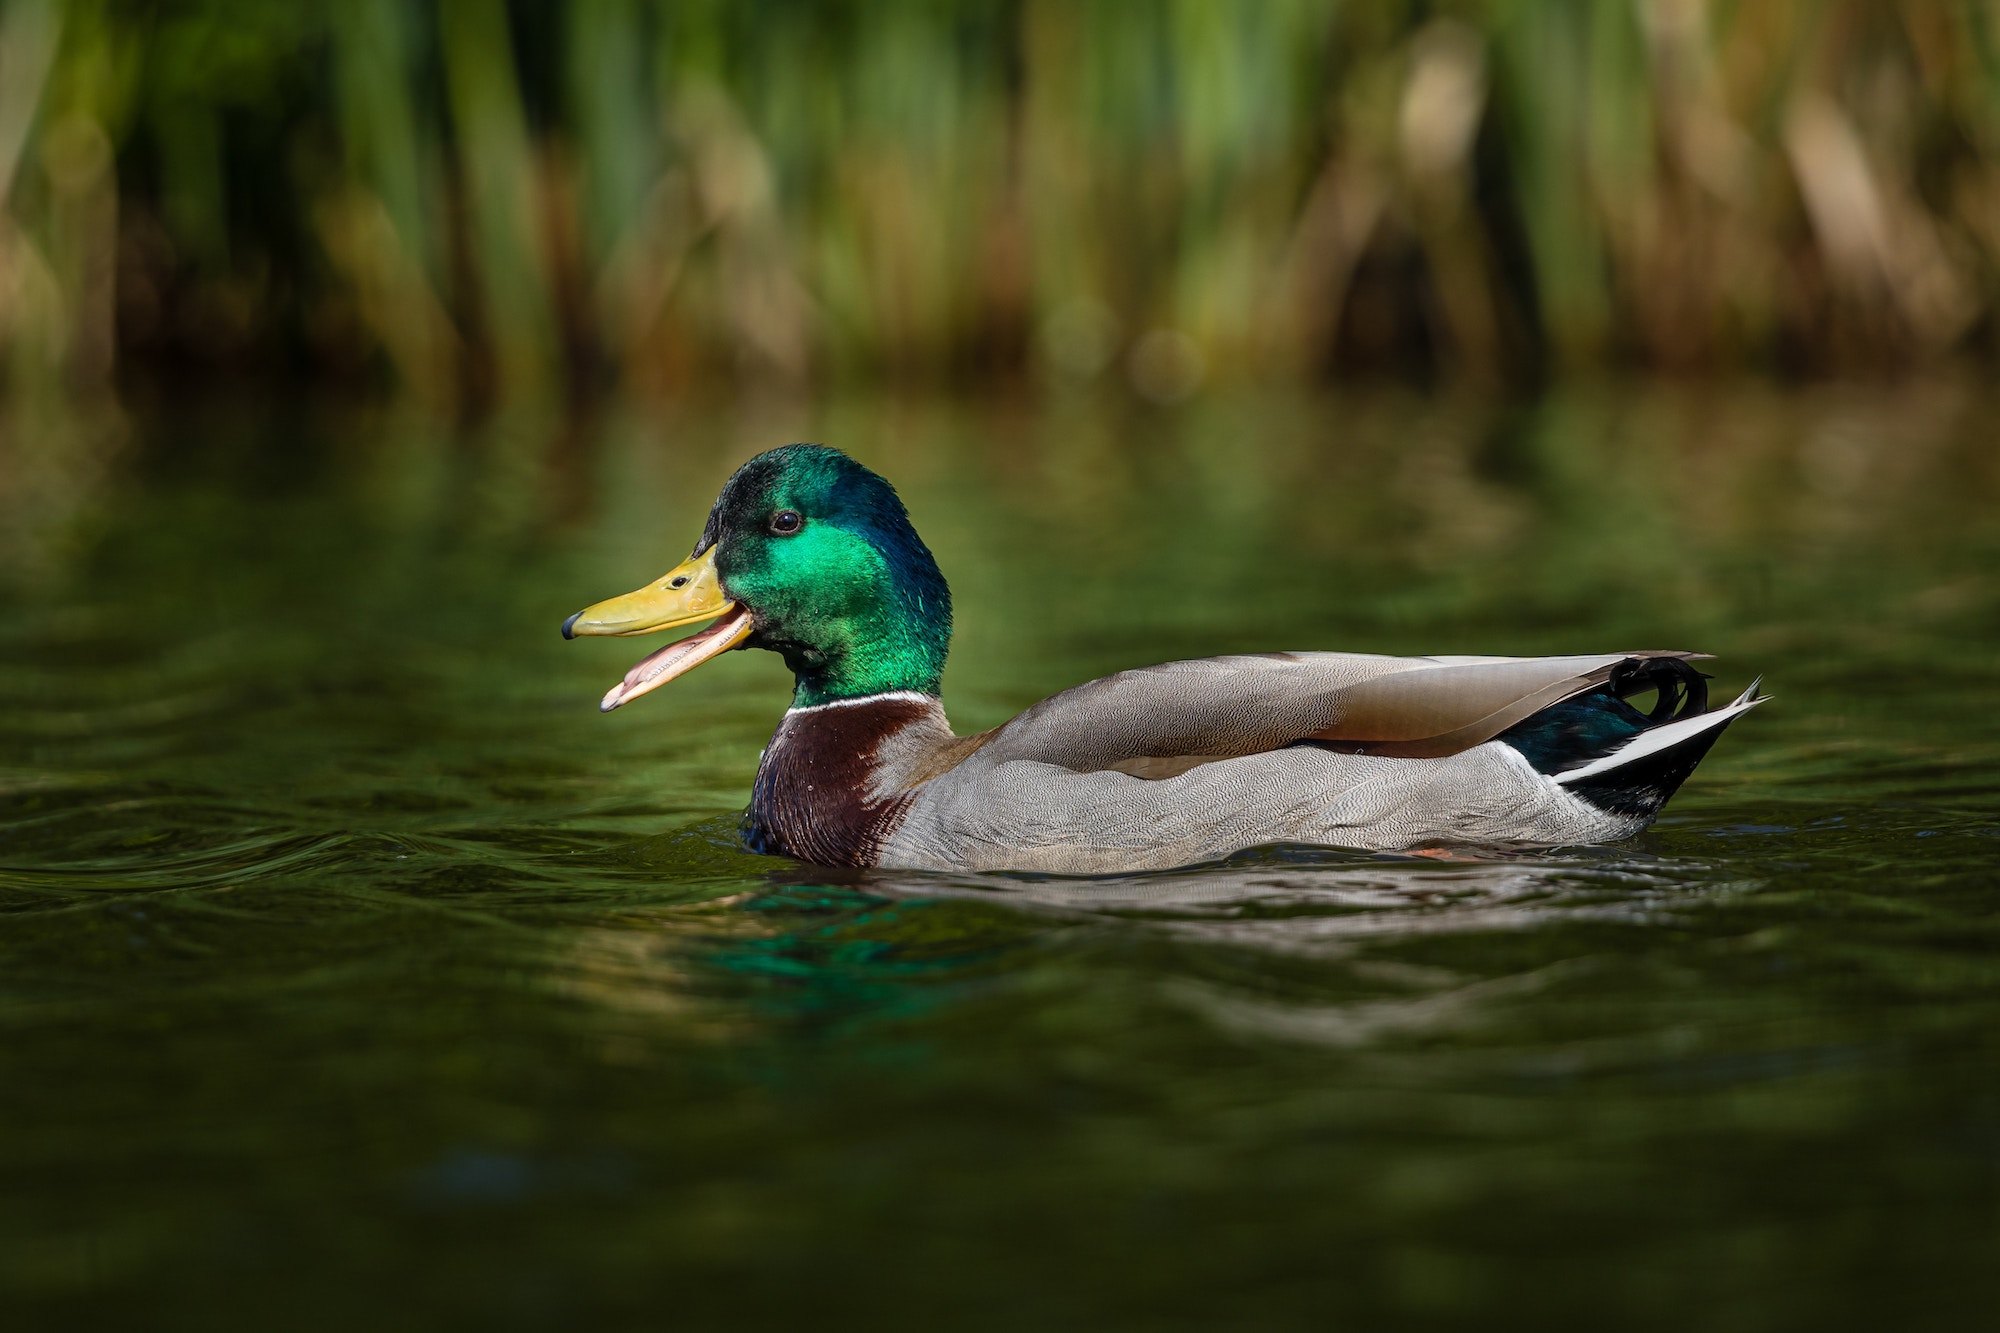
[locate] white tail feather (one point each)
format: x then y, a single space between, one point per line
1667 737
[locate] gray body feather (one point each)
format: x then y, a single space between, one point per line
991 813
1190 761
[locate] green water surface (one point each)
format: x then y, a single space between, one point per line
355 972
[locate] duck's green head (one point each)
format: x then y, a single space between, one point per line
811 555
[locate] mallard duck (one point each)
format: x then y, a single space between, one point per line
812 556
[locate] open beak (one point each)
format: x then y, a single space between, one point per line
687 594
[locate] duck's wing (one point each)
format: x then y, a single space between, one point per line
1161 720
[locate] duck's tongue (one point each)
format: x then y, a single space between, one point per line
677 659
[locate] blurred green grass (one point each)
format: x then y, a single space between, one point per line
473 201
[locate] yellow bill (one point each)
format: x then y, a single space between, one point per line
688 593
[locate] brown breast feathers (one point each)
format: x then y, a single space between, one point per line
835 781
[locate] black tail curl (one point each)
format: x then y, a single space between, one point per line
1683 691
1592 725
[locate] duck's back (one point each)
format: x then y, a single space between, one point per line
1223 707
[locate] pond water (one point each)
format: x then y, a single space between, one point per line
354 971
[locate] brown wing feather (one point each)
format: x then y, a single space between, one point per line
1160 721
1441 711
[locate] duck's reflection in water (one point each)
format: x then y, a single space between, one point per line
1332 924
1342 916
1321 901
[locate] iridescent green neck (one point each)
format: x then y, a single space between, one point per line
894 649
853 613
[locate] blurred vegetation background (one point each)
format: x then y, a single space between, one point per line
474 201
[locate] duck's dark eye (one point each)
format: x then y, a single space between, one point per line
786 522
